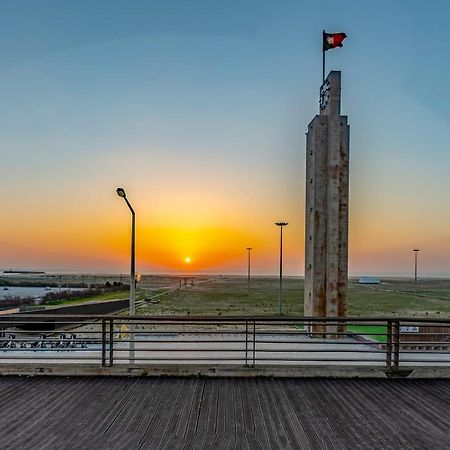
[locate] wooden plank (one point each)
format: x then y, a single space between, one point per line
231 413
304 405
287 414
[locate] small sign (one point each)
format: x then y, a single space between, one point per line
409 329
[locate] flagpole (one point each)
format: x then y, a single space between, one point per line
323 56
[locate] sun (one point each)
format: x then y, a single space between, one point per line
187 260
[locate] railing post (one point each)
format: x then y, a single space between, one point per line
103 343
389 345
111 342
246 342
254 342
396 344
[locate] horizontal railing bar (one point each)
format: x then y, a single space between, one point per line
189 350
242 358
381 361
177 329
240 349
64 349
433 325
52 338
146 341
239 341
314 342
426 334
233 319
258 332
49 339
98 341
240 323
193 341
96 358
48 332
423 352
48 320
250 332
116 343
184 341
434 361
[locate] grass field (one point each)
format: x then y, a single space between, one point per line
231 296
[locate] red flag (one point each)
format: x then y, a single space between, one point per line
332 40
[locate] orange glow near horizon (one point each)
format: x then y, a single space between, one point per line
83 231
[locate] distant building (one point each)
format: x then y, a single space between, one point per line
369 280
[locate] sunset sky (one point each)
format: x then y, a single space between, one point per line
199 110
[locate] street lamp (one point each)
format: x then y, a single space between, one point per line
121 193
416 251
249 249
281 225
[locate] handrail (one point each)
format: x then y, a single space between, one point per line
392 342
184 318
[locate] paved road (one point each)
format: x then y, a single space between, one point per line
227 413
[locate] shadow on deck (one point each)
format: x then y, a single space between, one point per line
216 413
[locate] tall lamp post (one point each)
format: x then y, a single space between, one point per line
416 251
121 193
249 249
281 225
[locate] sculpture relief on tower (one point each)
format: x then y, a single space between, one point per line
326 227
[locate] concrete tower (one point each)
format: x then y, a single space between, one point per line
326 236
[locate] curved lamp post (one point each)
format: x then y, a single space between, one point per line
121 193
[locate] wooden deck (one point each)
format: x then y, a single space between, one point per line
228 413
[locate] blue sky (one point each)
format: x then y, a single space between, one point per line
201 106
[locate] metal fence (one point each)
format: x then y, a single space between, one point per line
244 341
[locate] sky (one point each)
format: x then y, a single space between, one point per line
199 110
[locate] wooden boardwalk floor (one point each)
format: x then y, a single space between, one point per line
223 413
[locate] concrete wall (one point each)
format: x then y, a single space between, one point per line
95 308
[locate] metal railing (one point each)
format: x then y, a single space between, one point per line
246 341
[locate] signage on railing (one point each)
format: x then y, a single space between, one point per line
409 329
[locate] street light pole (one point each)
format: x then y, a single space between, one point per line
280 293
249 249
416 251
121 193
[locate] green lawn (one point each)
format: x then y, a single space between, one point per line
367 330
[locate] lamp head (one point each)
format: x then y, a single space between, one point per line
415 250
121 192
249 248
281 224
